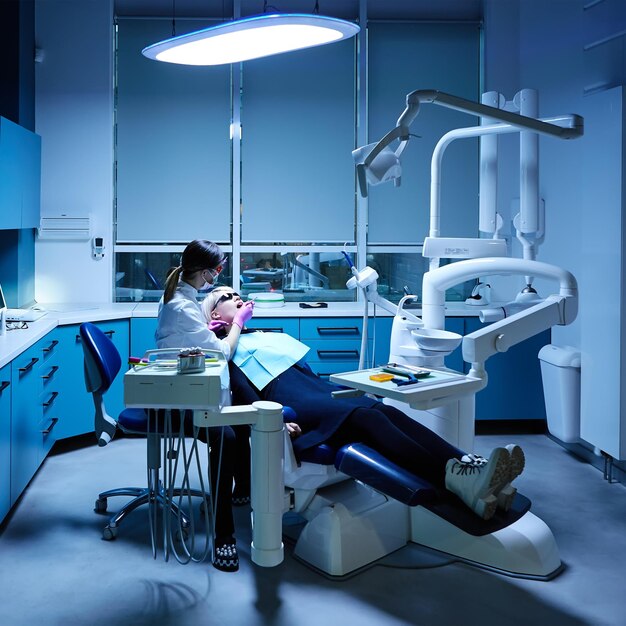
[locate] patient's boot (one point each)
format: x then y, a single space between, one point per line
505 492
476 479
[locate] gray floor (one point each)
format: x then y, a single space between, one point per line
55 569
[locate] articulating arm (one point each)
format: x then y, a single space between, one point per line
573 129
500 336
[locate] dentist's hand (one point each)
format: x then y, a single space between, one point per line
216 325
244 313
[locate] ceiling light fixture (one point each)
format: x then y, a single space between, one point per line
251 38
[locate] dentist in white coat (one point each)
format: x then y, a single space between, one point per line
182 325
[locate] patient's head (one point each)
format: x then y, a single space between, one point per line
221 304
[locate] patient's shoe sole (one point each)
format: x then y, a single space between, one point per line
517 462
498 468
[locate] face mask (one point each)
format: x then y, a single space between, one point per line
213 274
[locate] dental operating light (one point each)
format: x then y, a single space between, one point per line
251 38
375 166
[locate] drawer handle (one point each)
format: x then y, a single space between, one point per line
108 333
323 375
53 423
271 330
51 373
52 398
28 367
51 346
4 385
327 354
328 330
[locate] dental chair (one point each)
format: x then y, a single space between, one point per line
102 363
359 507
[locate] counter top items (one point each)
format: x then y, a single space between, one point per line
268 299
313 305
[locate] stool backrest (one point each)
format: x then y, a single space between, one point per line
102 360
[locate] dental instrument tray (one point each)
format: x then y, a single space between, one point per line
156 383
439 387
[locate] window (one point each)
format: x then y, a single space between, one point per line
287 205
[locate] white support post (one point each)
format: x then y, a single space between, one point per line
268 484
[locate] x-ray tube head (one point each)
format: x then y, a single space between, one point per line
384 167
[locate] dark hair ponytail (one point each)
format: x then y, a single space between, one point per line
197 256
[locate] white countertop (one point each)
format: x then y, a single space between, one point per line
14 342
334 309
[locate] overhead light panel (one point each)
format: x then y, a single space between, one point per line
251 38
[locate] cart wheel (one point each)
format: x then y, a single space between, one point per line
101 505
109 533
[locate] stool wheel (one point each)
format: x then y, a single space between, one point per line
109 533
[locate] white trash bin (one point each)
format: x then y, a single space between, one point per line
560 372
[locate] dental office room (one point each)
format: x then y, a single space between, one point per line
311 311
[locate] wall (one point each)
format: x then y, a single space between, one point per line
572 51
74 116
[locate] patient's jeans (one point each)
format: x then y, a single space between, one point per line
400 439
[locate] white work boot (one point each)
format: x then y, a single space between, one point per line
475 481
517 461
505 492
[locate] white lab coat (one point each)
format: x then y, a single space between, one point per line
182 325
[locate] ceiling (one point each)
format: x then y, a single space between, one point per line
347 9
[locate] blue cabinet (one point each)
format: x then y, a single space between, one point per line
142 335
20 176
50 372
74 406
26 417
379 332
43 399
5 441
289 325
514 390
455 360
335 343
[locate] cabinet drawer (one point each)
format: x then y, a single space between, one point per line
331 328
289 325
324 369
5 441
337 350
26 415
47 428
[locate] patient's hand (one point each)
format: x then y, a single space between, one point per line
293 429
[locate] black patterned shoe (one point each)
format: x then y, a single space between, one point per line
241 495
226 558
240 500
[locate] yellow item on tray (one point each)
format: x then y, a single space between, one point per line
381 378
